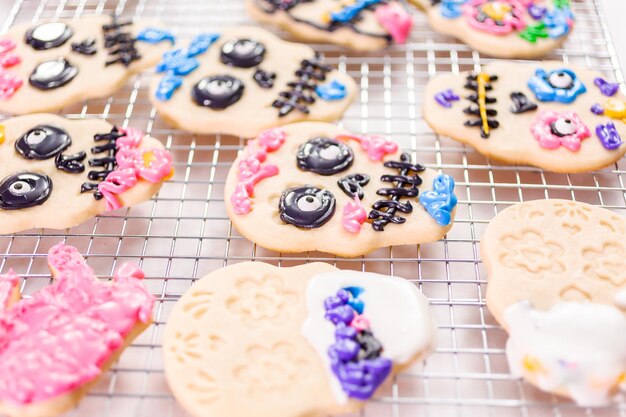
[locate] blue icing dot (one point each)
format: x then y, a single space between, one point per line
331 91
440 201
545 90
168 84
451 9
154 35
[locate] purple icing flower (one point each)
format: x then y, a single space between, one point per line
537 12
609 136
344 349
342 314
597 109
606 88
345 332
446 97
341 298
360 379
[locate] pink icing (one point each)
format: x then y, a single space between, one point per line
376 147
542 131
9 84
153 165
396 20
8 58
354 215
57 340
505 26
360 322
251 169
8 283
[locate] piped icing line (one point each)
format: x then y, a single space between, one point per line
609 136
2 134
440 201
446 97
57 340
547 85
376 146
8 58
156 35
480 84
576 348
553 130
300 95
606 88
354 215
496 18
252 170
9 81
396 20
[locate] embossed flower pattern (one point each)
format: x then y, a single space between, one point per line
528 249
261 300
572 210
606 263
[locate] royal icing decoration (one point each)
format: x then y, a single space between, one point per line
606 88
498 17
561 85
376 147
306 207
354 215
445 98
334 90
9 82
480 84
553 130
521 103
440 201
396 20
299 96
609 136
155 35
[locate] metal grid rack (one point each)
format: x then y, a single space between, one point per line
184 233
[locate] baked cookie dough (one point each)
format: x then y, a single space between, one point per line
57 172
555 116
245 79
314 186
557 284
54 64
253 340
503 28
57 343
363 25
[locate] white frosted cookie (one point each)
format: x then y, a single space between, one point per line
363 25
557 284
253 340
245 79
558 117
57 343
314 186
53 64
503 28
57 172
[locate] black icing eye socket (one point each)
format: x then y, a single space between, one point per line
48 35
563 127
42 142
306 207
324 156
560 79
24 190
242 53
217 92
52 74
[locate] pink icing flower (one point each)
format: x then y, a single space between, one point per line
9 84
272 139
360 322
396 20
8 58
132 138
498 17
376 147
354 215
553 130
116 183
242 203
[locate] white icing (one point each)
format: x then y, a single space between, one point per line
244 47
331 152
620 299
216 87
49 31
564 126
309 203
49 70
397 311
560 80
576 348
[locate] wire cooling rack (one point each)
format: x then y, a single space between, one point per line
184 233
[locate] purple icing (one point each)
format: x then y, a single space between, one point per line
342 314
537 12
345 332
606 88
360 379
609 136
445 98
597 109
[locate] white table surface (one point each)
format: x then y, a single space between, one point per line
615 11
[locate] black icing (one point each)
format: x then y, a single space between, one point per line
71 163
24 190
120 45
242 53
42 142
264 79
52 74
301 93
371 348
40 43
353 184
86 47
521 104
218 92
306 207
324 156
555 130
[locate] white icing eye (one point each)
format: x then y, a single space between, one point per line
244 47
36 137
331 152
49 70
20 188
309 203
218 87
49 31
560 79
564 127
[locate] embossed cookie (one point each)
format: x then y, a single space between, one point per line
503 28
357 24
53 64
55 344
244 80
314 186
57 173
253 339
558 117
557 284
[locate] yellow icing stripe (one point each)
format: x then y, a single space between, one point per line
1 134
532 364
482 79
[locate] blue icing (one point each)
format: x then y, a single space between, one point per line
451 9
201 43
545 91
168 84
154 35
440 201
348 13
354 301
333 90
178 62
558 21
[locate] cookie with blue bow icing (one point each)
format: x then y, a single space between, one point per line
552 115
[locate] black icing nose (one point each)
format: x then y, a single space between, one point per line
48 35
306 207
24 190
324 156
242 53
52 74
43 142
218 92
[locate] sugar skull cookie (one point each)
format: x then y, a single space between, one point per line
254 340
53 64
557 284
243 80
313 186
559 117
58 173
503 28
357 24
56 344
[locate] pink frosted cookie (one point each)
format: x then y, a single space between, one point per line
57 343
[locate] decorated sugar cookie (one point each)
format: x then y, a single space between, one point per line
57 173
557 284
55 344
253 339
313 186
503 28
243 80
356 24
559 117
53 64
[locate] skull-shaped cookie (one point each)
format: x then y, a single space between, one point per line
58 173
53 64
314 186
244 80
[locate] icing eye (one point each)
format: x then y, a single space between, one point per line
24 190
560 79
242 53
48 35
563 127
217 92
324 156
307 207
52 74
42 142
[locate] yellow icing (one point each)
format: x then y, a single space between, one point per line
1 134
615 109
496 10
482 79
532 364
